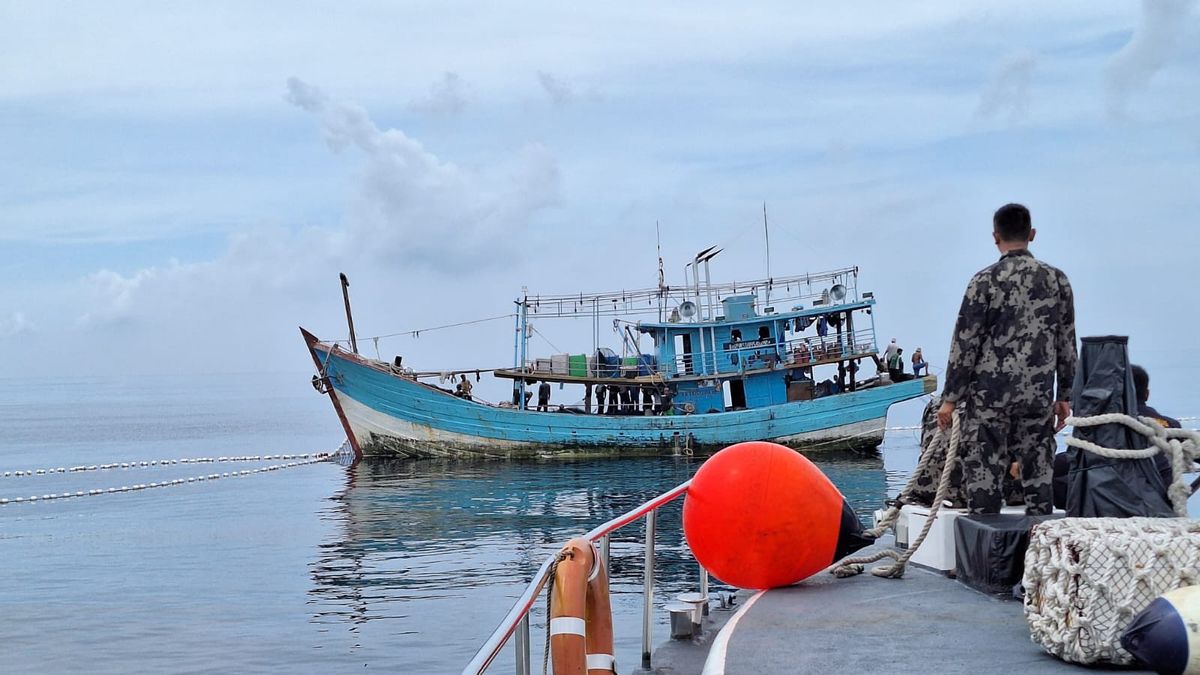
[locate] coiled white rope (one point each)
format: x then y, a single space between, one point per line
1181 446
853 565
300 460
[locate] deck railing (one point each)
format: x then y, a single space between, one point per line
517 620
795 352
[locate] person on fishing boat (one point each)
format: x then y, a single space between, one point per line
544 396
918 362
890 351
1015 336
896 365
463 388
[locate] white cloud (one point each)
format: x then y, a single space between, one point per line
413 207
448 96
411 215
1152 46
15 324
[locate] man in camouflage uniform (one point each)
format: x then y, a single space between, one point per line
1015 334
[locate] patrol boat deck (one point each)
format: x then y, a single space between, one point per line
922 623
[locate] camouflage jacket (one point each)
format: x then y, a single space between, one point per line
1015 333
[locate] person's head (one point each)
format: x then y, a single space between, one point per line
893 340
1012 227
900 350
918 350
1141 383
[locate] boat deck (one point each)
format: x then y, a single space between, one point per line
923 623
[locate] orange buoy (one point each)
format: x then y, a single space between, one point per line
581 639
760 515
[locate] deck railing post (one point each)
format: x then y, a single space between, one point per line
648 589
704 587
606 552
522 646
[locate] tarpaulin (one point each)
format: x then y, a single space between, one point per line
1098 486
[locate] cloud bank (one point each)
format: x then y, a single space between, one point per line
1152 46
410 215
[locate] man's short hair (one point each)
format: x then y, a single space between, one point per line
1141 383
1012 222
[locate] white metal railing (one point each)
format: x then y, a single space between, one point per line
797 351
517 620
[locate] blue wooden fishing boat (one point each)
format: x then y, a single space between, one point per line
724 364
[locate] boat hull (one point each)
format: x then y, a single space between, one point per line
385 414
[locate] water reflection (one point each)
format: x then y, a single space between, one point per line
411 532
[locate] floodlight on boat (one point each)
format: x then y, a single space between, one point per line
838 292
687 309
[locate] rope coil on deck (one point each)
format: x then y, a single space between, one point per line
852 566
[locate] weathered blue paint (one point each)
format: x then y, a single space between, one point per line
492 430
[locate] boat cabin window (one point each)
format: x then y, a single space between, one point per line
735 335
764 333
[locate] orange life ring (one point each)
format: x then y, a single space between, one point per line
581 638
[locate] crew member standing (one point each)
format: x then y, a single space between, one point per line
1015 334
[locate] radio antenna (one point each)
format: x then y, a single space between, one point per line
767 238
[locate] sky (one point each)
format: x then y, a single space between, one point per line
182 183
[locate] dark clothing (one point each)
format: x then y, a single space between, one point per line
1015 336
543 396
1161 461
992 440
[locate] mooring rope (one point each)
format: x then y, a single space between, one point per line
854 565
299 460
142 464
1181 446
559 557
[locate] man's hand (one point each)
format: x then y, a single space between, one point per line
1062 410
945 414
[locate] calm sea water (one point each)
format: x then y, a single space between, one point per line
386 566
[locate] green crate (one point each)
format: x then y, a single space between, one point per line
578 365
629 361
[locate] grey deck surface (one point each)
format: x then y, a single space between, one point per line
924 623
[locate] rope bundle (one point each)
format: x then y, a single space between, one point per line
1085 579
852 566
1181 446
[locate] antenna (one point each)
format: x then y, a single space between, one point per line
767 238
